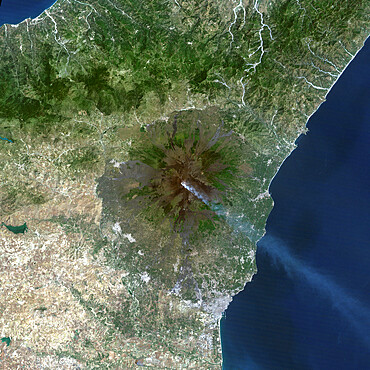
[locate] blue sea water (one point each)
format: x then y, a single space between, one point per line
308 307
15 11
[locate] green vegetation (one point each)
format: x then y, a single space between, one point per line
79 226
91 90
160 42
41 309
13 196
191 166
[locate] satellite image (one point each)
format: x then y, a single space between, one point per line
139 139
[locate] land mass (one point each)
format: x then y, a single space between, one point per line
145 135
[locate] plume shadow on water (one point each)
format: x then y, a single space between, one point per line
352 309
308 307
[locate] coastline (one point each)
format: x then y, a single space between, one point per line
277 171
305 125
42 17
15 25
